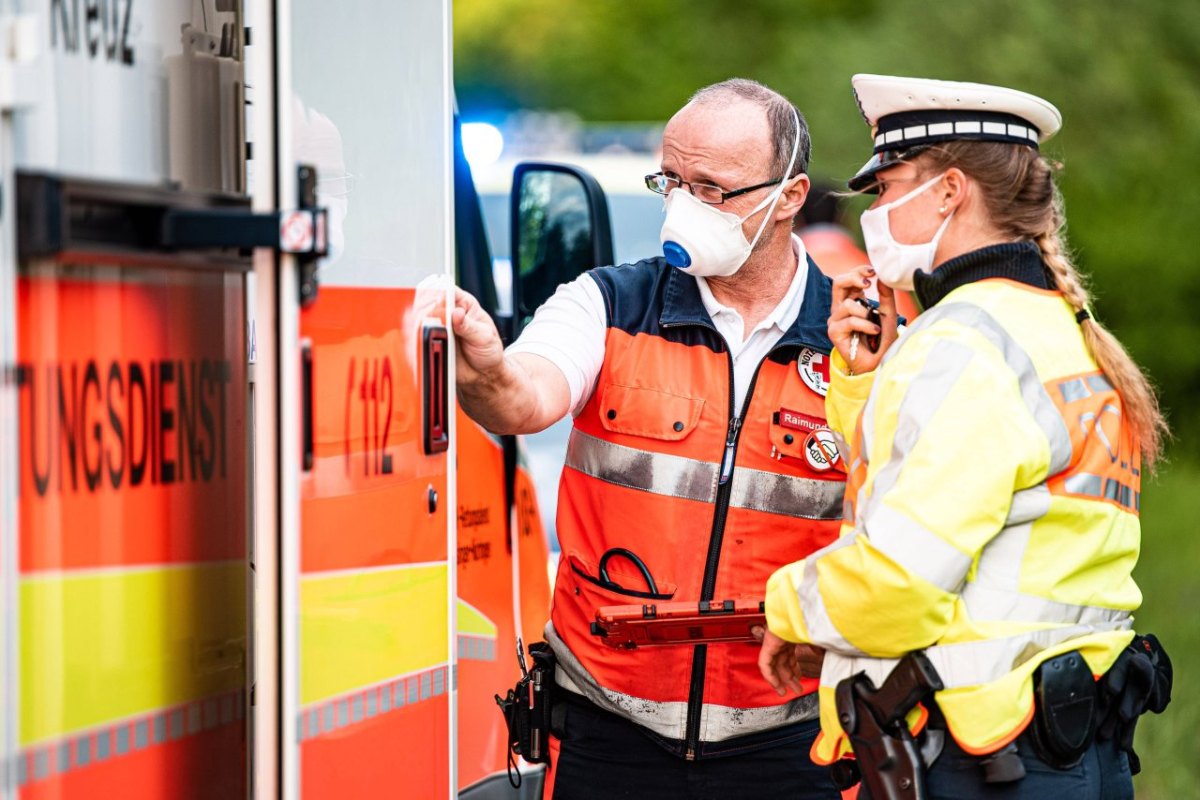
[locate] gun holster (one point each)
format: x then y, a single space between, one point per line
886 754
527 709
1064 720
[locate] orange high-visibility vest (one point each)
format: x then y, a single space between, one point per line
711 502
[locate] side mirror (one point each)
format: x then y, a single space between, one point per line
559 228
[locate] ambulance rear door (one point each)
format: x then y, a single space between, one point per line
364 112
123 402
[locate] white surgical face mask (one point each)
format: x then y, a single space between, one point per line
896 263
700 239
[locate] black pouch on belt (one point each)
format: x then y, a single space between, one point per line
1138 682
541 702
1064 722
527 709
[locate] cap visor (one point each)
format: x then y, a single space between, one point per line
864 180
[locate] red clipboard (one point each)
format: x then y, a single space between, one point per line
679 622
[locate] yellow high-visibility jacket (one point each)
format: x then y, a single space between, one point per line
991 514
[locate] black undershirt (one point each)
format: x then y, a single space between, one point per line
1017 261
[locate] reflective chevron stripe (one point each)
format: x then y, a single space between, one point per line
371 701
107 742
472 647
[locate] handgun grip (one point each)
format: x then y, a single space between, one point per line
912 680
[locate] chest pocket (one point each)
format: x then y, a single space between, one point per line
797 437
786 441
653 413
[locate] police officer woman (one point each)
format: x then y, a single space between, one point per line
995 454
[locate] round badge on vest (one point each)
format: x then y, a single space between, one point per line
814 370
821 450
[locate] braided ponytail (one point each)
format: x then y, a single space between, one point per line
1139 402
1024 202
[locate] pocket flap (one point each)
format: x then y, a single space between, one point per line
787 441
641 411
624 582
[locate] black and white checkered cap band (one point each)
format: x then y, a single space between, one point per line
910 129
918 134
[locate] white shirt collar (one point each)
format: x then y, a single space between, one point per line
784 314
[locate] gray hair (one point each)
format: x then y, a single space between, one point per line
779 114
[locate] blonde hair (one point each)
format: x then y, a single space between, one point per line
1023 202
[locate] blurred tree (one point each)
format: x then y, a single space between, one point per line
1125 75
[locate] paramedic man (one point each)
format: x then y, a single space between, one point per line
992 514
695 380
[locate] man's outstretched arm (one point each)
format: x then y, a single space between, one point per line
514 393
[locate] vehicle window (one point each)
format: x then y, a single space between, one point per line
636 220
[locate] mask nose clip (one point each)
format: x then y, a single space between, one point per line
676 255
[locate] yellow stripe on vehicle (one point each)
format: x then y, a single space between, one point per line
101 646
473 621
476 634
361 628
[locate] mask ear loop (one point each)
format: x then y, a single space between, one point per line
937 237
923 187
779 189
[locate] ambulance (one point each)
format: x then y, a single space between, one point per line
249 546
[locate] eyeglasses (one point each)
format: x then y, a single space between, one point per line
704 192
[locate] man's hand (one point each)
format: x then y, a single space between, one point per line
519 393
479 350
848 317
783 663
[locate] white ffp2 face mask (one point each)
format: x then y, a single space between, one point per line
896 263
700 239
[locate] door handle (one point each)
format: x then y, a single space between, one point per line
435 405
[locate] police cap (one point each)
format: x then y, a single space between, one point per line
907 115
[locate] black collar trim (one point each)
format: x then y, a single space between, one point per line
1017 261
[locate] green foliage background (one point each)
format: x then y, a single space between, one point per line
1126 76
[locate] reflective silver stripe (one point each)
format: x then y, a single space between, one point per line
969 663
1074 389
1029 505
1037 400
894 534
821 629
657 473
986 603
843 447
1080 388
946 362
1000 561
1084 483
784 494
918 550
717 722
1090 485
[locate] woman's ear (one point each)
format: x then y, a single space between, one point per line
795 192
955 188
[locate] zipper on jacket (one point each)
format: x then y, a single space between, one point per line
715 539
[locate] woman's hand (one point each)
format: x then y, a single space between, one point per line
849 317
783 664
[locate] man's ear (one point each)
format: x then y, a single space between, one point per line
795 192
